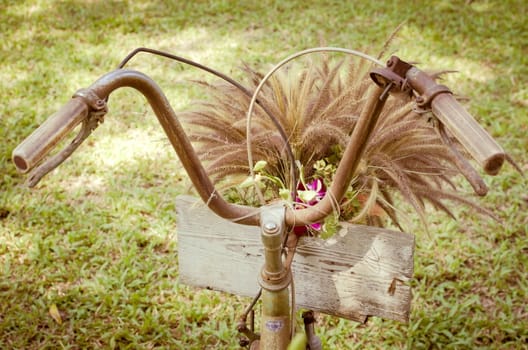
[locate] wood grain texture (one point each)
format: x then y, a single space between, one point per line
362 271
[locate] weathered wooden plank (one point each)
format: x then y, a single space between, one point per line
361 271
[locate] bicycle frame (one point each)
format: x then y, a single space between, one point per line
88 105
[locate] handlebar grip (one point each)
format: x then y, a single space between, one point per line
37 145
480 145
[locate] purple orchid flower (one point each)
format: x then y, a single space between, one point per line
309 194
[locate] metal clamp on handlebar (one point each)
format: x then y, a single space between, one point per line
394 73
424 100
398 72
96 113
98 105
409 79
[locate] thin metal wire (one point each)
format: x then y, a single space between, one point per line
266 78
226 78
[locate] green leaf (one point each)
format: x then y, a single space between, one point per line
298 342
285 194
260 165
307 196
248 182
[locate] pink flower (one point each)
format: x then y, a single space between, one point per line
308 195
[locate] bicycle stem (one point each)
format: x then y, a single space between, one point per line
274 279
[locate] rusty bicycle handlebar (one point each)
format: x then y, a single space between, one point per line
35 147
482 147
27 155
91 101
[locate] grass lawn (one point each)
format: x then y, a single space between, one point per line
88 258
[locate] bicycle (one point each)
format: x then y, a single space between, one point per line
88 107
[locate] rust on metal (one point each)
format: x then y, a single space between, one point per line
348 164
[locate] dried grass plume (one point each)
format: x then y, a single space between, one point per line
318 103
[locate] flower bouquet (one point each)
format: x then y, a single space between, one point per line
317 105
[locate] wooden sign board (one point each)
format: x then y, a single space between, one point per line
361 271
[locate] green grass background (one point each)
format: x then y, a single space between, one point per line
98 237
